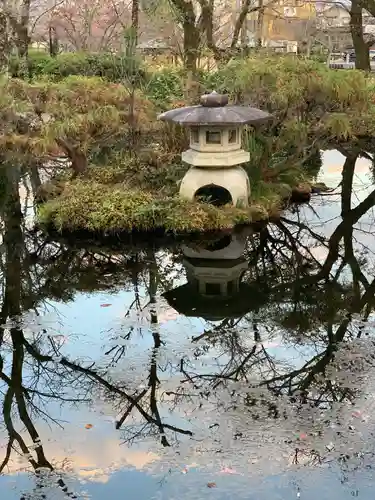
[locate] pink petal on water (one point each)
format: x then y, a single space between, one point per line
228 470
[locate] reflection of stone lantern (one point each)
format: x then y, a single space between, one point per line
214 273
215 148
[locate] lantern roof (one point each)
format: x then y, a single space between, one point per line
187 301
214 110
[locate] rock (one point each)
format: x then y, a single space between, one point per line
301 193
320 187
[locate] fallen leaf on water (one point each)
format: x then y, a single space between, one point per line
228 470
88 426
105 305
211 485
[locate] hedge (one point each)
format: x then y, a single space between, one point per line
113 67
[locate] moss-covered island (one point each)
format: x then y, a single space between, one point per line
113 168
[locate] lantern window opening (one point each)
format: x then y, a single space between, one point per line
216 195
231 286
233 136
213 289
213 137
194 135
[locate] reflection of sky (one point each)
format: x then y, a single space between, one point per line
324 214
133 485
99 457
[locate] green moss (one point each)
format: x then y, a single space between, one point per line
141 193
107 208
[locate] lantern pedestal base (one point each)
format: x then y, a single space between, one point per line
215 183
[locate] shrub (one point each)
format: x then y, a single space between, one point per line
80 116
116 68
112 67
309 102
37 62
213 80
165 86
295 88
67 64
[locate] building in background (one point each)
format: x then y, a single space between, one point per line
334 25
286 24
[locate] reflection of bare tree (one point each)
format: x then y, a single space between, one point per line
150 392
294 278
310 303
35 269
17 396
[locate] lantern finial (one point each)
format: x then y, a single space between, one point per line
214 100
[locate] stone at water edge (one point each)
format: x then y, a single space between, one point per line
301 193
320 187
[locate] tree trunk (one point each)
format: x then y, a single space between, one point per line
79 162
260 22
77 158
330 50
192 33
13 242
221 56
53 42
239 31
244 38
361 48
191 40
35 180
23 39
4 43
191 51
135 22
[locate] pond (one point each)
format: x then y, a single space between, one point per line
239 365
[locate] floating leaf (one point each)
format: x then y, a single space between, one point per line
228 470
105 305
88 426
211 485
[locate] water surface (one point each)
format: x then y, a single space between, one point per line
237 366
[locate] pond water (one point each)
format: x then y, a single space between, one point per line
242 365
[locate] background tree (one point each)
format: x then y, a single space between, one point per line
90 25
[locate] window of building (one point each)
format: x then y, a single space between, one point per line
290 11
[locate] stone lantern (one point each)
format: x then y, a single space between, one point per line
214 288
215 148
